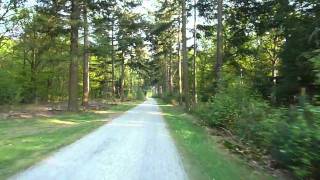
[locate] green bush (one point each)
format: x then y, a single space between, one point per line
291 136
225 108
297 141
9 90
170 98
140 94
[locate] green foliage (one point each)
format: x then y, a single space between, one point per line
140 94
297 139
291 136
203 157
314 57
9 89
170 98
227 105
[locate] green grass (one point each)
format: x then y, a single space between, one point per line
203 157
26 141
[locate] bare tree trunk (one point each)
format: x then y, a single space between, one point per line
170 75
122 80
274 75
185 57
274 82
166 74
74 51
112 56
219 60
33 76
159 90
179 61
131 83
194 92
24 57
86 87
49 86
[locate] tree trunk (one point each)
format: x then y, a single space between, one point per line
74 51
194 92
49 87
122 80
159 90
179 61
185 57
131 90
112 59
86 88
166 74
219 59
33 77
274 82
24 57
170 75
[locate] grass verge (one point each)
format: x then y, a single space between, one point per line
203 157
26 141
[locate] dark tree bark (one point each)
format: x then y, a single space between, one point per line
194 92
170 75
122 79
33 68
112 57
86 87
166 73
179 61
185 57
219 60
74 51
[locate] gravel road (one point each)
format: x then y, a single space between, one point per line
134 146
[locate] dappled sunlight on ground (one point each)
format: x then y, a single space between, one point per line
186 134
155 113
159 113
25 140
57 121
100 120
131 104
167 105
131 124
105 112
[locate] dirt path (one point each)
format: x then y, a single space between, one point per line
134 146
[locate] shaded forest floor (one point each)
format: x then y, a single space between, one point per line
30 133
205 154
27 111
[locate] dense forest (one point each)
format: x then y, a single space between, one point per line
249 67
